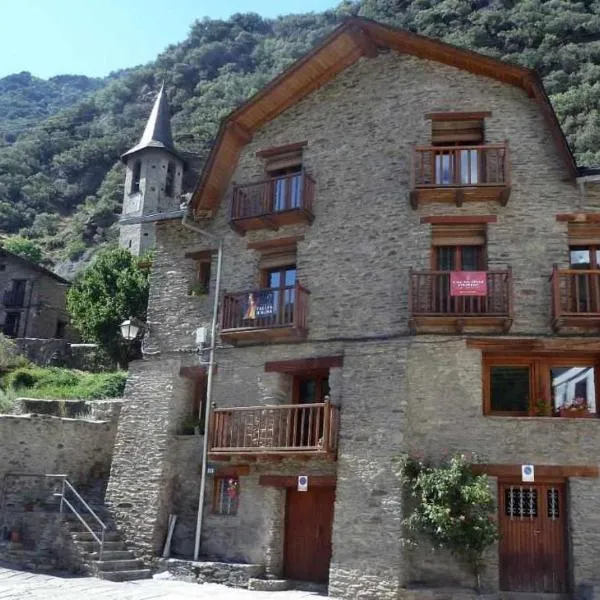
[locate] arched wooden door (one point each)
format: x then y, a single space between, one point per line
533 545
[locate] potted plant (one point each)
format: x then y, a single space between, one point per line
577 408
198 289
541 408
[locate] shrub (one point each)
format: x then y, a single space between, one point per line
57 383
454 509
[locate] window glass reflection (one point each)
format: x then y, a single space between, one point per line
574 388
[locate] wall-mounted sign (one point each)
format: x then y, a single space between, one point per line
302 483
211 469
468 283
528 473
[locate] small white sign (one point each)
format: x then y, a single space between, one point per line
302 483
528 473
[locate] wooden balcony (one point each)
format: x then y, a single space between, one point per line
276 431
575 300
433 309
273 202
460 174
265 315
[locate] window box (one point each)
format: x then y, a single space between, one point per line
575 413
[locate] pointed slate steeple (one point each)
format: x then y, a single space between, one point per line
158 129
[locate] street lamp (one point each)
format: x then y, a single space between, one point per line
131 328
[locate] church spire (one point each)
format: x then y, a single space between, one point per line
158 128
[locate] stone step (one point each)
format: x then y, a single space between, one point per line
86 536
110 555
90 547
125 575
269 585
129 564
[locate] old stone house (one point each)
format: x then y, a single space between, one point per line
33 301
409 264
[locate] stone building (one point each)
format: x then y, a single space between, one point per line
408 265
33 299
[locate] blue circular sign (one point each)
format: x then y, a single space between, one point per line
303 480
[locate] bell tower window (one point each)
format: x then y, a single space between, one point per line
136 174
170 182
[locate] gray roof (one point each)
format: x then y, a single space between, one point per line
158 129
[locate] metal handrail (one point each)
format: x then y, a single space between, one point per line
63 500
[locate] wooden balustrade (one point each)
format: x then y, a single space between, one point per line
575 297
430 301
276 312
273 202
275 429
460 173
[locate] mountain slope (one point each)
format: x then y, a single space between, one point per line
61 184
26 100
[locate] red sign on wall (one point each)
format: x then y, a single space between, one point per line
468 283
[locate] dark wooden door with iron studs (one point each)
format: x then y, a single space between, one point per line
532 519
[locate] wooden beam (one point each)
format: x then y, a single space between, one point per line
243 135
232 471
276 150
291 481
459 219
457 116
541 345
578 218
304 364
200 254
265 246
542 472
363 41
195 372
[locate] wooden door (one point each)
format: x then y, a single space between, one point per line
533 543
309 519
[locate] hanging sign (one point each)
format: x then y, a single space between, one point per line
468 283
528 473
302 483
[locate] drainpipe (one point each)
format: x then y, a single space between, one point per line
186 222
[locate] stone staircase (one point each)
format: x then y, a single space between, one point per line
117 563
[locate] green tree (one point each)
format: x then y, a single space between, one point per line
24 248
111 289
453 508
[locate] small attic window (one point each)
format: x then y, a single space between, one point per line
136 173
457 129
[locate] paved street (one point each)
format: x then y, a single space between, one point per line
22 585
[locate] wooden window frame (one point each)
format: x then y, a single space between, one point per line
539 378
203 274
320 375
217 481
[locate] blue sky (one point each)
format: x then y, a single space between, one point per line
94 37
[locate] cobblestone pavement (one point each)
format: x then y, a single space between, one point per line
23 585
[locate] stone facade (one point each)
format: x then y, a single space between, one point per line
397 392
35 307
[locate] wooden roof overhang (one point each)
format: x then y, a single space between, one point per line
355 38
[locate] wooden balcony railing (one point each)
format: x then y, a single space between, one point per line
272 311
277 429
273 202
431 303
460 173
575 297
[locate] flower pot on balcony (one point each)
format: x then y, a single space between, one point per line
575 413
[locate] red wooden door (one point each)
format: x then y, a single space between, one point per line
533 543
309 518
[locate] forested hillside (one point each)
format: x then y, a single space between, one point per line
26 100
61 184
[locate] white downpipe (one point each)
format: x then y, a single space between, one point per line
209 383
